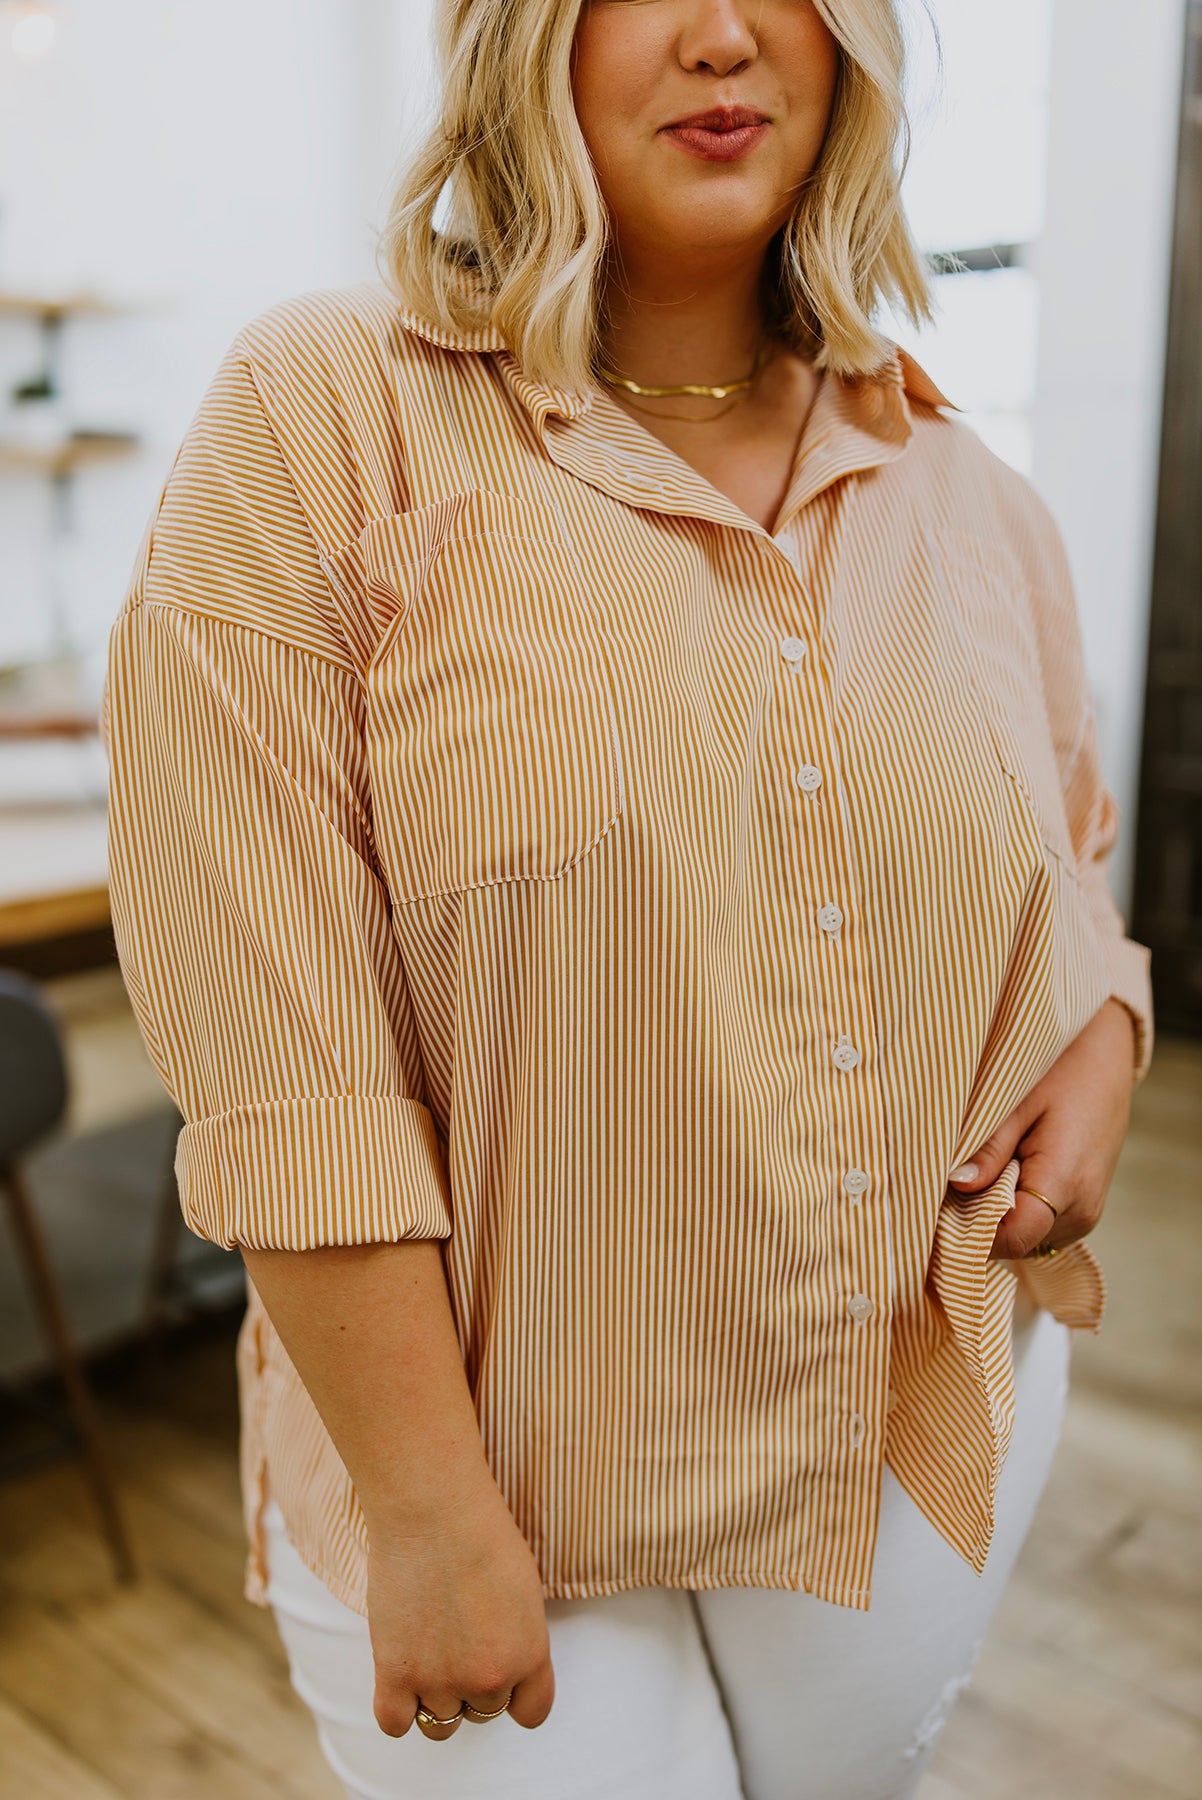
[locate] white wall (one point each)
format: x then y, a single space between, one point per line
976 176
398 88
1103 266
203 162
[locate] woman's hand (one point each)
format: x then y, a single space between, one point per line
454 1596
1067 1134
456 1612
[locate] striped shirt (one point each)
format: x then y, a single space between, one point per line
513 842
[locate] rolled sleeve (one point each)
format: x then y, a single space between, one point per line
1095 819
1090 807
252 917
341 1169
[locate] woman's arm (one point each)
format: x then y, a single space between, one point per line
254 926
1091 809
369 1330
455 1600
1068 1131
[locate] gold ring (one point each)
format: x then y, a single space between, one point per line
1039 1196
425 1717
479 1716
1044 1250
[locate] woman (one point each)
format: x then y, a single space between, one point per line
608 854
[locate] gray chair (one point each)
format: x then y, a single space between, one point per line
33 1099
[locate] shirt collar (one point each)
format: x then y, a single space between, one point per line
898 380
857 423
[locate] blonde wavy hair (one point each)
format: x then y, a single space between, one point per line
527 242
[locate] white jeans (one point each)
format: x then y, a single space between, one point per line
729 1694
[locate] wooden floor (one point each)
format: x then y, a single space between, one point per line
1089 1686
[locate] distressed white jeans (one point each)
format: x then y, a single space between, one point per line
730 1694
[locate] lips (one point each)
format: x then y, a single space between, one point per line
722 134
720 118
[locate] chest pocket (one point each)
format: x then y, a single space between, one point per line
989 602
492 730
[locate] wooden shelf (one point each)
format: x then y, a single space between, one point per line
25 722
69 454
56 306
53 868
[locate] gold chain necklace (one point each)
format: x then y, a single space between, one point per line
720 391
655 412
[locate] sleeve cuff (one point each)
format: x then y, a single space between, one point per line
1131 983
331 1169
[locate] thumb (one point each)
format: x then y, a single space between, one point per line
982 1169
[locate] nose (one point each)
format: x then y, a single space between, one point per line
717 35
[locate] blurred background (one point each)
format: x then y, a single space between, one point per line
167 171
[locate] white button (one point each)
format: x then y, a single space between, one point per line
792 649
791 551
808 778
858 1424
845 1055
860 1307
830 918
855 1181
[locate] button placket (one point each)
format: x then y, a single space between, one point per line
830 919
792 647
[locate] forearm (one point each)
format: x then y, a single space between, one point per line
370 1332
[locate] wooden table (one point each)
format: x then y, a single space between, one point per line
53 854
53 874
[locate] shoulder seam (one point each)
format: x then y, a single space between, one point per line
142 604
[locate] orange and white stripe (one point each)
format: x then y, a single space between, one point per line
513 842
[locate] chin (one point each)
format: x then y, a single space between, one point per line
699 233
700 229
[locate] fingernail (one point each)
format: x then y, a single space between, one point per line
965 1172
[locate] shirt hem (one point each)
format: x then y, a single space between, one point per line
255 1585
